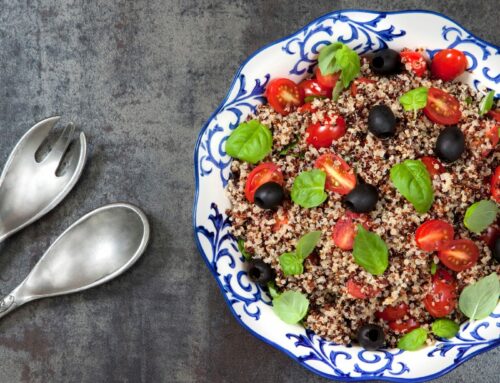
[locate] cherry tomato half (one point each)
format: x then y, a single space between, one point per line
459 254
311 88
442 298
355 290
326 81
495 184
434 167
265 172
402 327
442 107
345 231
360 80
322 134
448 64
432 234
340 178
414 62
283 95
392 313
494 114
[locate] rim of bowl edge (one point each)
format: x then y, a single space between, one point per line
196 197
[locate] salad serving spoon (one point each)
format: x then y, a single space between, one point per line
31 184
98 247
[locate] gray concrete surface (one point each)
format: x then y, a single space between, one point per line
141 77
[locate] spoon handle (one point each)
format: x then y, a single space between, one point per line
8 304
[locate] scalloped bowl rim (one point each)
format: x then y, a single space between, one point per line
196 198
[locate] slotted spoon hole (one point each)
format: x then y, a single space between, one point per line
67 159
44 149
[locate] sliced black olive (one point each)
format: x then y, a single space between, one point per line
371 337
381 121
496 250
386 61
269 195
362 199
450 144
260 272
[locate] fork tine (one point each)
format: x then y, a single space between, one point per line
62 143
76 161
39 132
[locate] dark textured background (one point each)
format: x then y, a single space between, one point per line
140 78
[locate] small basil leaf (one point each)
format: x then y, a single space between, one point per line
478 300
250 141
433 268
307 243
326 58
413 340
445 328
480 215
412 180
349 64
414 99
308 188
291 264
291 306
273 290
486 103
468 100
241 248
370 251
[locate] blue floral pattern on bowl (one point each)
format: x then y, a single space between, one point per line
295 57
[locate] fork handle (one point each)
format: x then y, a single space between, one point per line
8 304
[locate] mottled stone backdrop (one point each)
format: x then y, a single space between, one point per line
140 78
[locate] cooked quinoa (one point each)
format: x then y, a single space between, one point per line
333 313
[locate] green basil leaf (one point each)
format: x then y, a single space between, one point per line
486 103
273 290
349 63
291 264
445 328
434 267
370 251
291 306
478 300
308 188
326 58
413 340
480 215
468 100
414 99
250 141
412 180
241 248
307 243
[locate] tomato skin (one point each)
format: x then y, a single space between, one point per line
280 221
340 178
354 86
442 299
458 254
431 163
322 134
442 108
402 327
448 64
283 95
494 114
265 172
345 231
393 313
312 88
354 289
495 185
492 135
327 81
414 62
432 234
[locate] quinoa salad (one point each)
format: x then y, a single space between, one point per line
365 198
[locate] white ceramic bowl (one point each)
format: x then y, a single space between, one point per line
294 57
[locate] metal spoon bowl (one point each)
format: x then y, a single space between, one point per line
98 247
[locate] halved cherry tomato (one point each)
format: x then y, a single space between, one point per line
307 107
283 95
311 88
459 254
492 135
414 62
265 172
442 298
434 167
344 232
448 64
280 221
442 107
322 134
392 313
495 185
432 234
354 289
494 114
354 86
490 235
340 178
326 81
402 327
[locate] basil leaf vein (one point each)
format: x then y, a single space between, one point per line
308 188
478 300
291 306
251 141
413 181
480 215
370 251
